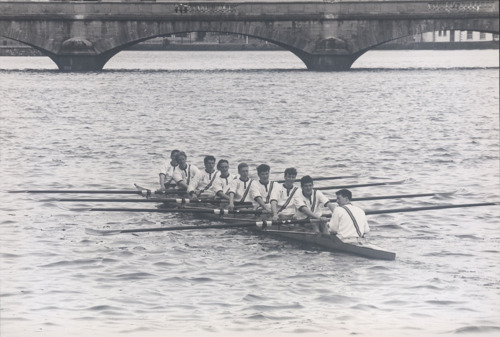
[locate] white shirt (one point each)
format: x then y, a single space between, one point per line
342 224
185 175
315 203
284 196
203 182
168 170
221 184
259 190
241 189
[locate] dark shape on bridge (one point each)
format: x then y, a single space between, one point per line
326 36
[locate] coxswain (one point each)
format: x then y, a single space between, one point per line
309 203
167 171
282 196
220 186
348 222
185 172
239 188
260 191
203 181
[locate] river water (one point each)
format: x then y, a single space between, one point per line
428 117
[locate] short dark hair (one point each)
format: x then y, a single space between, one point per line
306 179
222 161
345 193
290 171
174 153
207 158
180 153
242 165
263 168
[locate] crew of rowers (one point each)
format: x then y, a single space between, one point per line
278 201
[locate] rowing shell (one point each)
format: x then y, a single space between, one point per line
299 234
329 242
332 242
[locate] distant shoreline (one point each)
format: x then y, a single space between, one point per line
28 51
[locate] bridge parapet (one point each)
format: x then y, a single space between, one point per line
87 10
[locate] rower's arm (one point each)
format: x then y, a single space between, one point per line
274 208
331 206
307 211
231 200
261 202
162 180
222 195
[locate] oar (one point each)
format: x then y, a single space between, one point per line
323 178
261 224
428 208
169 191
360 185
173 192
154 200
215 201
143 192
400 196
218 211
278 222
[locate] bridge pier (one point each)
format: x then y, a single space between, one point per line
80 62
329 62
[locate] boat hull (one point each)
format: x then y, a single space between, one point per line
332 242
299 234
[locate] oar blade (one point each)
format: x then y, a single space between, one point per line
98 232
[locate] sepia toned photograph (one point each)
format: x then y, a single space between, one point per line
249 168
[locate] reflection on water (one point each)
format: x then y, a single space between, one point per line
429 117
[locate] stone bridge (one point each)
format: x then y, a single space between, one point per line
326 36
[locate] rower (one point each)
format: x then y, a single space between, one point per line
260 192
167 171
202 182
221 183
310 202
282 205
348 222
185 172
239 188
